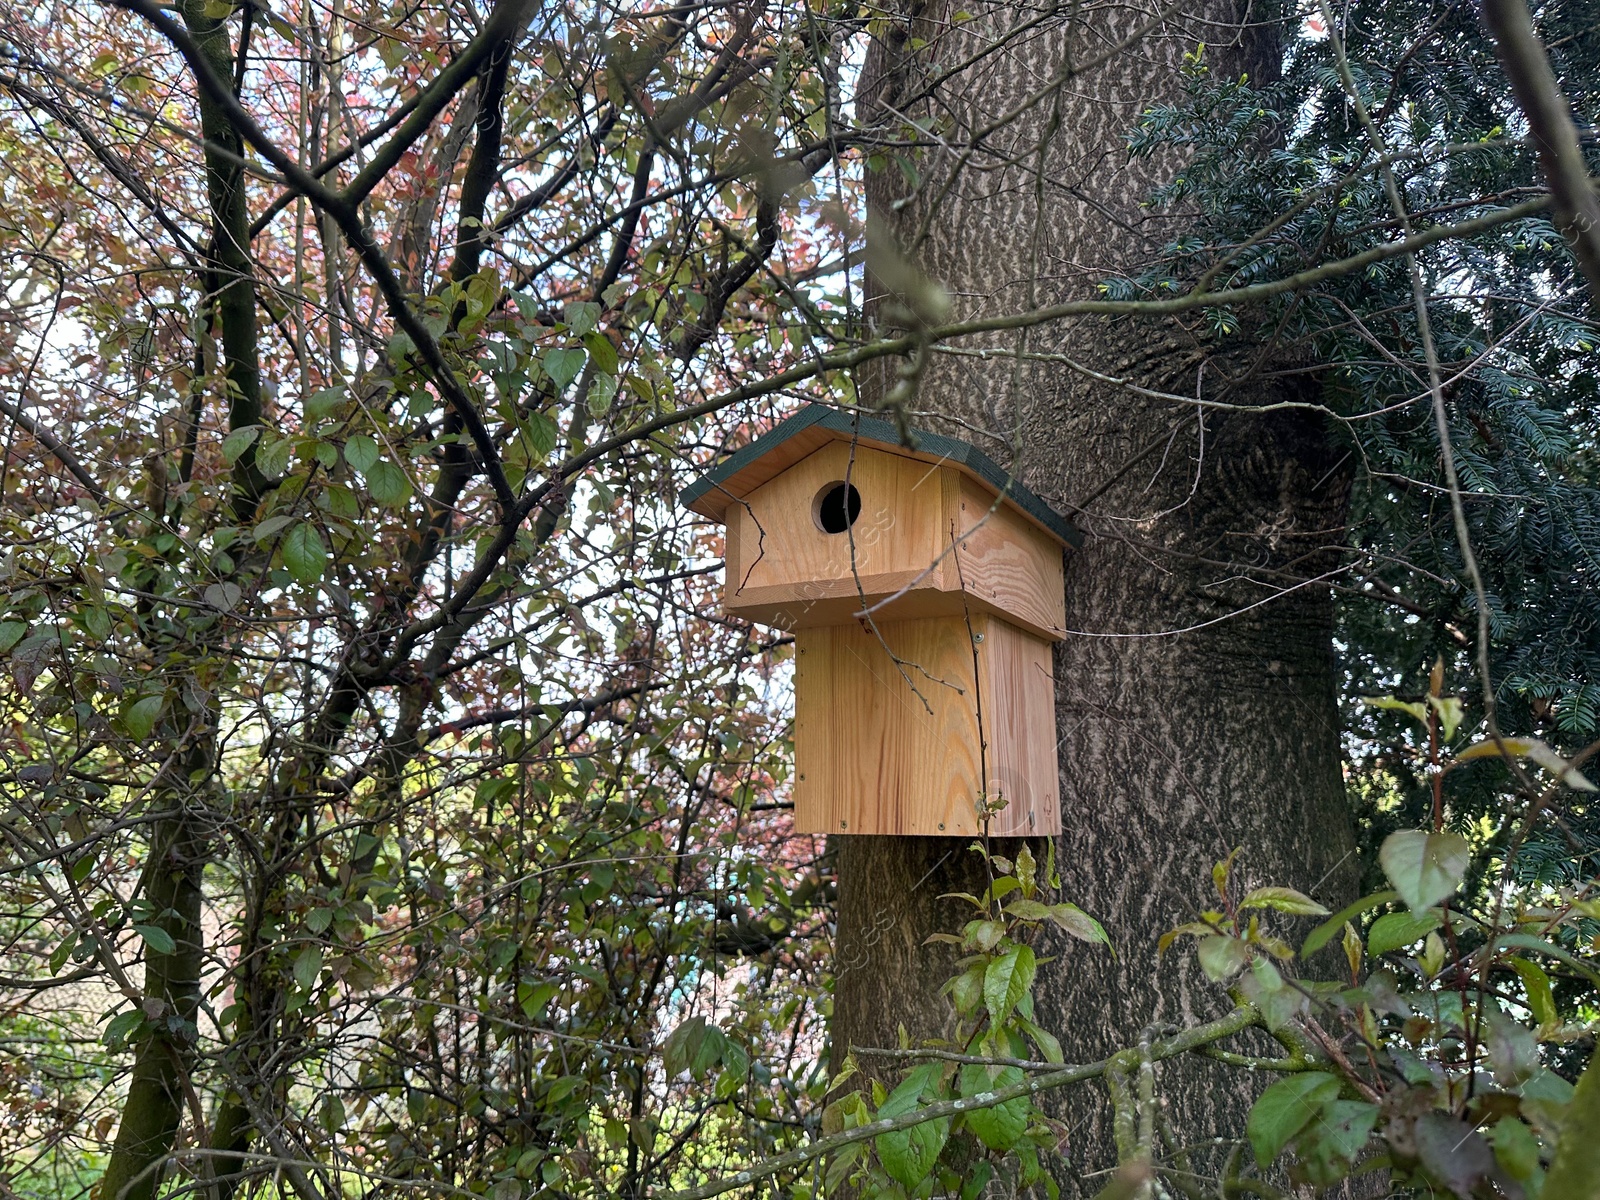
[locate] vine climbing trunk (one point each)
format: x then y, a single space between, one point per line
1195 690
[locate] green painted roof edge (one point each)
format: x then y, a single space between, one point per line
870 429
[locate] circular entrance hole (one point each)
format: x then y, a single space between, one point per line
836 507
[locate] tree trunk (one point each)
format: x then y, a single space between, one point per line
159 1088
1196 690
165 1047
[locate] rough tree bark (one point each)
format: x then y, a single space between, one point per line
1194 715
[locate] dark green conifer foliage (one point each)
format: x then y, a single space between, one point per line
1517 344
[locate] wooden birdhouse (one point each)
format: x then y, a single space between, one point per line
924 590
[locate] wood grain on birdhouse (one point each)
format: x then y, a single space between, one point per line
887 725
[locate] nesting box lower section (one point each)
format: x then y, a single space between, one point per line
888 734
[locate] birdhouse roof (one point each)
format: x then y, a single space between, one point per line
815 425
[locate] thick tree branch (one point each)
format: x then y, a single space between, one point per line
344 208
1572 191
57 447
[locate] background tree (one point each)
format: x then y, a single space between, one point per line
364 719
1196 689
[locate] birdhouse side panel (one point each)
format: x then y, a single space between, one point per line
881 747
1019 716
1005 561
787 555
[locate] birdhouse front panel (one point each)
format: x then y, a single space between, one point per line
831 527
888 724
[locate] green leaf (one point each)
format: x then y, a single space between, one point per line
1221 870
1285 900
121 1027
1002 886
601 393
982 936
139 718
1541 1000
601 351
98 622
966 990
272 455
1455 1156
540 431
1286 1108
1425 868
1526 941
841 1167
1534 751
1000 1126
10 634
909 1154
307 966
156 938
1278 1002
223 595
1416 709
1049 1045
1450 712
563 366
1072 919
1028 910
269 527
1515 1147
581 315
1324 933
1222 957
491 790
322 404
708 1053
1395 930
532 998
1006 981
1027 871
59 956
735 1069
1339 1131
361 452
976 1184
1513 1050
682 1046
237 442
304 554
388 484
